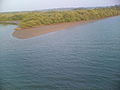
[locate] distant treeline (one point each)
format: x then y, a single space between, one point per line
33 19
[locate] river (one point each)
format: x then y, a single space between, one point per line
85 57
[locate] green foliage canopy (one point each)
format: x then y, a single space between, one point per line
34 19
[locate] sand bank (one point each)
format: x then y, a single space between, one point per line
33 32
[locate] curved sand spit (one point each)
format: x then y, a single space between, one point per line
32 32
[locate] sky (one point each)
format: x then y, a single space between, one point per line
28 5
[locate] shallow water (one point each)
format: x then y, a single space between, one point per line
85 57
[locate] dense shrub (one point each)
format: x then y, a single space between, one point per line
33 19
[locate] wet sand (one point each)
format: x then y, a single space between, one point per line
33 32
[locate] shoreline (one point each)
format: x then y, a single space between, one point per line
40 30
37 31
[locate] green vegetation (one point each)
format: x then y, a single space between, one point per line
34 19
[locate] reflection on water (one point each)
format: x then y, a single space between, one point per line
81 58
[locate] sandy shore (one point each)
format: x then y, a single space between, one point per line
32 32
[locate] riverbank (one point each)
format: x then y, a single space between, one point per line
31 24
33 32
37 31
